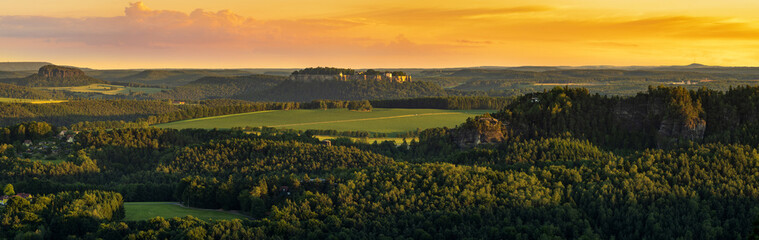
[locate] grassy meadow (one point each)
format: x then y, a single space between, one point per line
379 120
136 211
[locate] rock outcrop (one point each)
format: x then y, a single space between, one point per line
481 130
52 71
673 130
54 76
340 77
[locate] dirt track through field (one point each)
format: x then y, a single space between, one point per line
362 119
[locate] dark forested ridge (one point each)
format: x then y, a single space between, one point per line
15 91
70 112
167 77
346 90
222 87
451 102
90 114
661 117
668 163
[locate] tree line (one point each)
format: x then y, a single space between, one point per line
555 181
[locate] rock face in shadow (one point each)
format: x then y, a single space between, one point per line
52 71
481 130
673 130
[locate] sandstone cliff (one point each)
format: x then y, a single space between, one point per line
481 130
669 122
673 130
341 77
55 76
52 71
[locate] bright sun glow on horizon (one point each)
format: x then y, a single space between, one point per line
390 33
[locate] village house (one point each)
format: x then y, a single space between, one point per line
4 199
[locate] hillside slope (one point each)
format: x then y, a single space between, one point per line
346 90
221 87
14 91
173 78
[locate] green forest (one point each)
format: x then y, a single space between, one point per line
666 163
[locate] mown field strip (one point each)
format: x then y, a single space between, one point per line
379 120
146 210
357 120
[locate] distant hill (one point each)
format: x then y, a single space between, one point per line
221 87
22 66
111 75
484 79
173 78
346 90
15 74
55 76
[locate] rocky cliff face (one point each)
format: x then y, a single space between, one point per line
322 77
52 71
673 130
484 130
670 129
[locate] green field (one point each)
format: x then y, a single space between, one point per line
23 100
146 210
379 120
105 89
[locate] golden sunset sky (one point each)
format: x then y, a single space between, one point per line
374 34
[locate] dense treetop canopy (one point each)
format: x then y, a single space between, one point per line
570 166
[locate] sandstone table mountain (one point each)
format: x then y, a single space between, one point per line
55 76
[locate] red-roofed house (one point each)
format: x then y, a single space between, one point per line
4 199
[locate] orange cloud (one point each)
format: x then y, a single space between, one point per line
144 27
392 37
215 33
435 15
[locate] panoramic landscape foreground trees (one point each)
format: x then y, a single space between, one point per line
552 177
